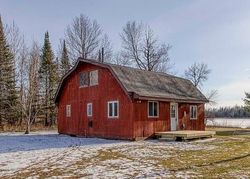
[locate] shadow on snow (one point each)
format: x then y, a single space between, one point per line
18 143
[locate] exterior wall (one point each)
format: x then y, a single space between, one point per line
185 123
133 121
107 89
145 126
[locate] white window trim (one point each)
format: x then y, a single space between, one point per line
113 111
157 116
195 118
68 114
89 104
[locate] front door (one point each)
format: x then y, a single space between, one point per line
174 116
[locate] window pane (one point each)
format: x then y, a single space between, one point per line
193 112
93 78
68 110
173 111
84 79
150 108
110 109
115 109
195 115
155 109
89 109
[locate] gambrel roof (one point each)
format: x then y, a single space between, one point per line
143 84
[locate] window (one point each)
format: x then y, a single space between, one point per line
88 78
193 112
84 79
68 110
93 78
113 109
89 109
173 111
153 109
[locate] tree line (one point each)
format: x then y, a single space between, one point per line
228 112
30 74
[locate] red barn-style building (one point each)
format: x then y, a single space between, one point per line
110 101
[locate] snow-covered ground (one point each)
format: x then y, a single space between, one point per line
47 154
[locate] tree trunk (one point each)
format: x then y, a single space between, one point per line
27 128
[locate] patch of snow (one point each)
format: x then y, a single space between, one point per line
75 156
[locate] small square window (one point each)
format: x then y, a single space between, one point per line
89 110
84 79
193 112
153 109
68 110
93 78
113 109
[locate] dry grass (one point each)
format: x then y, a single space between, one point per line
223 157
22 128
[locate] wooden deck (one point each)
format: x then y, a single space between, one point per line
184 135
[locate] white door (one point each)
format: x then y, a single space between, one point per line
174 116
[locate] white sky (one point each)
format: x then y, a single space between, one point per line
210 31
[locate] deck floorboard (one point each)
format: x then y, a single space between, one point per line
185 134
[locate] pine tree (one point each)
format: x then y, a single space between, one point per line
247 102
64 62
48 75
8 93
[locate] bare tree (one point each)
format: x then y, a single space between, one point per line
212 97
83 37
29 106
119 59
15 39
144 49
22 76
197 73
106 45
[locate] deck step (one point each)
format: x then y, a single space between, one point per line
166 138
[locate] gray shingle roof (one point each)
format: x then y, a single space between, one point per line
147 84
155 84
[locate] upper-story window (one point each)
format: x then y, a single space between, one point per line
193 112
88 78
93 78
84 79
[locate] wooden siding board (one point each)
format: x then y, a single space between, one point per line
133 121
108 89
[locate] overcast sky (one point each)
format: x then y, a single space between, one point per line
214 32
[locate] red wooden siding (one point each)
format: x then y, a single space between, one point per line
145 126
191 124
107 90
133 121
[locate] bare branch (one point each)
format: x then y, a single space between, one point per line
197 73
83 37
142 47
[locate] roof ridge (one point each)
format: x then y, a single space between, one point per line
134 68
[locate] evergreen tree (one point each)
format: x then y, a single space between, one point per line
64 62
247 102
8 93
48 75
